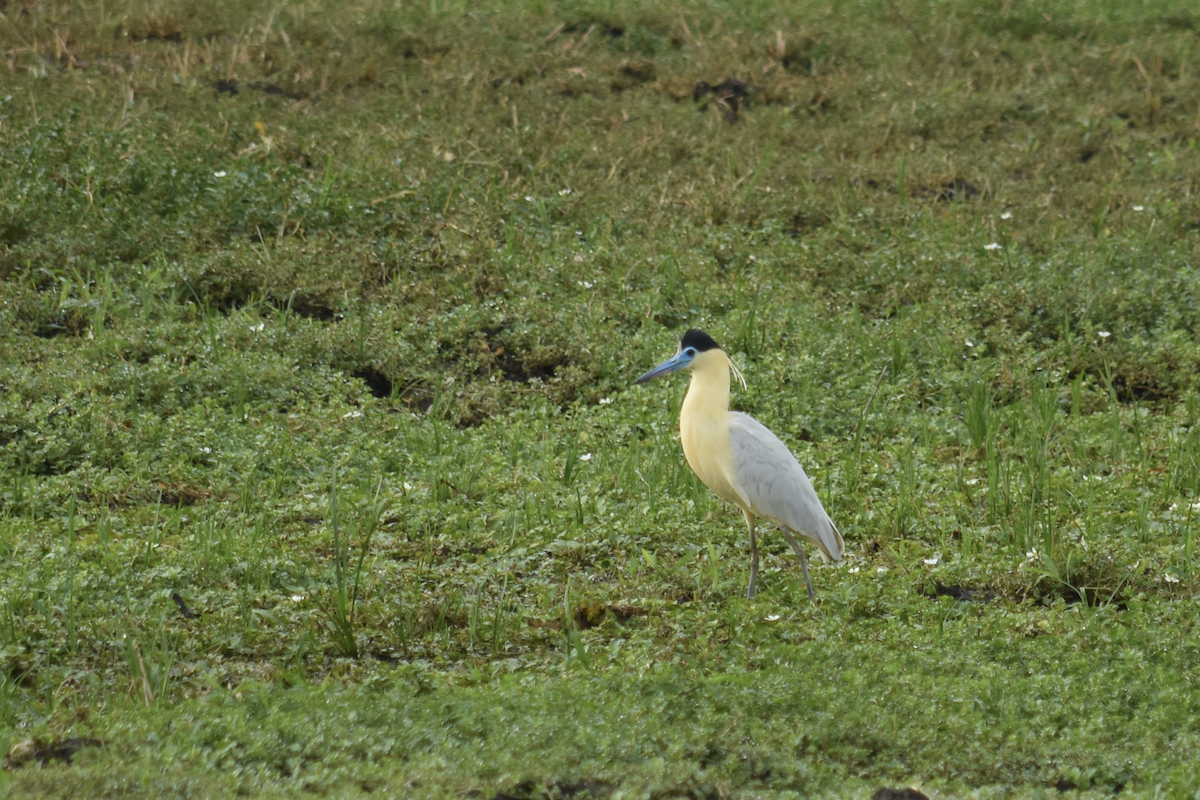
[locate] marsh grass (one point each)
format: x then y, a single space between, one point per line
348 563
321 319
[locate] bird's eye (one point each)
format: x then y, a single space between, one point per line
690 352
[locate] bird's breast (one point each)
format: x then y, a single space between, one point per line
707 450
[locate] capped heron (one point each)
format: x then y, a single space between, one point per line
738 458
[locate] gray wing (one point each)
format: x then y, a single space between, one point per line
774 485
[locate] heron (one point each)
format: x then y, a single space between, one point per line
741 461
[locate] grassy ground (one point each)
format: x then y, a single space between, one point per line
322 470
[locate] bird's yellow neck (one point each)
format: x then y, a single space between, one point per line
707 399
704 424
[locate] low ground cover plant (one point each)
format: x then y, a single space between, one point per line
320 467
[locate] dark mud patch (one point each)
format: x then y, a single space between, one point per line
956 190
590 615
60 750
184 611
307 306
163 35
1143 386
522 369
595 26
378 384
888 793
514 362
418 398
1071 595
803 223
634 73
963 595
178 496
731 94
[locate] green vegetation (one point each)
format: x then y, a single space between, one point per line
321 470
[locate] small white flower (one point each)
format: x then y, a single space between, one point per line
355 414
853 570
1032 554
258 328
1173 506
220 173
528 198
564 192
604 401
772 617
881 570
205 449
993 246
972 481
408 487
1139 208
931 562
296 598
970 343
1104 334
1169 578
586 457
1006 215
586 284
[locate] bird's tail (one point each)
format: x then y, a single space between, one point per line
829 542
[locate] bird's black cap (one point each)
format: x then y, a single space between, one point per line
699 340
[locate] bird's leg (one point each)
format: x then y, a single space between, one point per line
753 554
803 559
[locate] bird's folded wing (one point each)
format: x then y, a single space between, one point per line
775 487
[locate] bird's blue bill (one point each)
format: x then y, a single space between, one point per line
673 364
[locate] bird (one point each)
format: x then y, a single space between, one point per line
741 460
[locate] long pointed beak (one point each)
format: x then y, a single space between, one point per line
673 364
